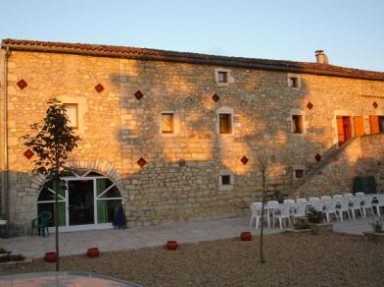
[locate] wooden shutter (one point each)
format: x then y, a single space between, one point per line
340 130
359 126
374 124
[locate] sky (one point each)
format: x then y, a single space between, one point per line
351 32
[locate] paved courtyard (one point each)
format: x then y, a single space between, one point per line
74 243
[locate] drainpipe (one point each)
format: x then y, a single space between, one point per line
5 179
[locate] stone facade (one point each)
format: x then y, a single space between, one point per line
121 101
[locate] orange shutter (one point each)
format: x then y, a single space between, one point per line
374 124
340 130
359 126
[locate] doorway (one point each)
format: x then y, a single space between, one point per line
89 201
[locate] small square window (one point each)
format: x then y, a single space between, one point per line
298 173
294 81
225 123
72 113
226 180
222 77
167 123
297 124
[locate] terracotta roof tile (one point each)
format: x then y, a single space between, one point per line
193 58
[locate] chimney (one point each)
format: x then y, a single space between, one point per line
321 58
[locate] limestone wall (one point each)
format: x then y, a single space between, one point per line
117 129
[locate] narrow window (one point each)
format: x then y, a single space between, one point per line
222 77
167 123
293 82
298 173
225 123
225 180
297 124
72 113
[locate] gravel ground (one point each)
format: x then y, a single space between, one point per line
292 259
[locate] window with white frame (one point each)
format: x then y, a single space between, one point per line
73 114
294 81
226 180
298 171
223 76
225 121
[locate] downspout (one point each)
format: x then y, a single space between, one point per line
5 179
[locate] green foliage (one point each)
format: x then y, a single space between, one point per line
302 223
314 216
377 224
53 141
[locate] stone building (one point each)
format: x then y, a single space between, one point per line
182 136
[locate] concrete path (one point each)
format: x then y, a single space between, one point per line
74 243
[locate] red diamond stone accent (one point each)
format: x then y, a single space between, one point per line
22 84
310 105
317 157
141 162
99 88
375 105
244 160
29 154
215 98
139 95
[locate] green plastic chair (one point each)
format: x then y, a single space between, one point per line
41 223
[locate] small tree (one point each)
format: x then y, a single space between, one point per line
262 160
53 141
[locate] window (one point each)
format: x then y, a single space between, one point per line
298 173
223 76
167 123
297 124
72 113
225 180
294 81
225 123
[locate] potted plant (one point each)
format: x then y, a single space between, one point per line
50 257
301 225
93 252
171 245
378 230
245 236
316 221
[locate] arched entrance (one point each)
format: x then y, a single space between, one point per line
89 201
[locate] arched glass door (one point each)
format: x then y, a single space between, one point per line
88 199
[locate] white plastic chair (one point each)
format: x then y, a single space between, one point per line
366 205
301 200
289 201
355 206
359 193
325 197
337 197
348 195
282 214
300 210
271 207
343 207
316 203
378 203
330 209
255 214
